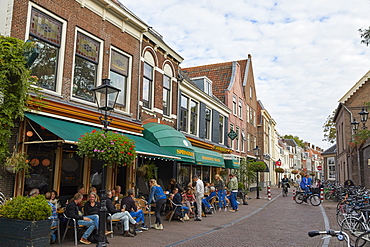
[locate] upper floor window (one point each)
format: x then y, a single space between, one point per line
240 108
237 138
166 94
207 132
251 92
221 129
193 117
242 141
234 105
118 75
147 85
46 32
208 87
251 114
231 141
184 113
85 67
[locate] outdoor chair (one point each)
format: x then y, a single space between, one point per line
75 226
175 208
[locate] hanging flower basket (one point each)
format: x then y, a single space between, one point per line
294 171
302 174
17 162
257 166
279 170
312 174
110 147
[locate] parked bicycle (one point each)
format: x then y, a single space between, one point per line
360 241
312 197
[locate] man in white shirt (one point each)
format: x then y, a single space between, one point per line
199 194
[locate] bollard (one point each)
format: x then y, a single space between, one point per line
293 194
269 193
322 194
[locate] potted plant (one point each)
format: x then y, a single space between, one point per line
25 222
146 171
108 146
17 162
279 170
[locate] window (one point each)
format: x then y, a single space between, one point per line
193 117
166 94
251 120
331 168
184 113
207 132
86 67
240 108
237 138
208 87
247 106
118 75
221 130
46 32
147 85
251 92
234 105
249 142
242 141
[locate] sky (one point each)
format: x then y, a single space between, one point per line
305 54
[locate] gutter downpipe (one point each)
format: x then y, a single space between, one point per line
139 79
358 153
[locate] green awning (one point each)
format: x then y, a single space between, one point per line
208 157
232 163
70 132
170 139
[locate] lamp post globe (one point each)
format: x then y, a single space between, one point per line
106 96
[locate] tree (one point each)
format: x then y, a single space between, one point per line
16 84
365 36
296 139
330 132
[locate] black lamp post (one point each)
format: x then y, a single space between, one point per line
256 151
106 97
355 125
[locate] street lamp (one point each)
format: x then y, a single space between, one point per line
363 114
256 151
106 97
355 125
278 164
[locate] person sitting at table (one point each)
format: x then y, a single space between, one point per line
54 198
189 199
34 192
177 199
206 201
206 189
131 207
173 184
120 214
81 190
53 217
91 221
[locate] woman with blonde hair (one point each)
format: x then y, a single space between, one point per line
220 188
156 195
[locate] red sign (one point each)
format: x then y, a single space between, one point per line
278 163
319 168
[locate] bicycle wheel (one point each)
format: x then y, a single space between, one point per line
353 225
315 200
299 197
363 239
342 213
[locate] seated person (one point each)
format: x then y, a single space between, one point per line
81 190
91 221
54 199
117 194
189 199
121 214
177 199
93 189
173 184
131 207
206 201
206 189
92 206
53 217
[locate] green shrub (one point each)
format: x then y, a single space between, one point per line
26 208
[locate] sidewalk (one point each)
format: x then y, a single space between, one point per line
176 231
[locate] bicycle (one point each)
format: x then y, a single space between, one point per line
284 189
339 234
314 198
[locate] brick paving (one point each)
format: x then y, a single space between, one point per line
279 222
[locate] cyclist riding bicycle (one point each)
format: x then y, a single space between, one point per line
305 186
285 181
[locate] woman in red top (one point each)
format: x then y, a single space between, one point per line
189 199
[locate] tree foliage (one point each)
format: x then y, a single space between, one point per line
365 36
330 132
296 139
15 86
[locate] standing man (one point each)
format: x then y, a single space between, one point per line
199 194
232 186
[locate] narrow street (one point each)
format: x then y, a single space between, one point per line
279 222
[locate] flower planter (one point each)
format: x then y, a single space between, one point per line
24 233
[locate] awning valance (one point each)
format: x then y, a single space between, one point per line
208 157
170 139
71 131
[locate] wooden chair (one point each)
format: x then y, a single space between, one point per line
174 209
147 211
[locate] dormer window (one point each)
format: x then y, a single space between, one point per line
203 83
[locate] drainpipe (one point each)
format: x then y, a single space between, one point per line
139 77
358 153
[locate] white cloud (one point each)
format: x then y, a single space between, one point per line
306 54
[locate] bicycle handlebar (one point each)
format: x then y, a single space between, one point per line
329 232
